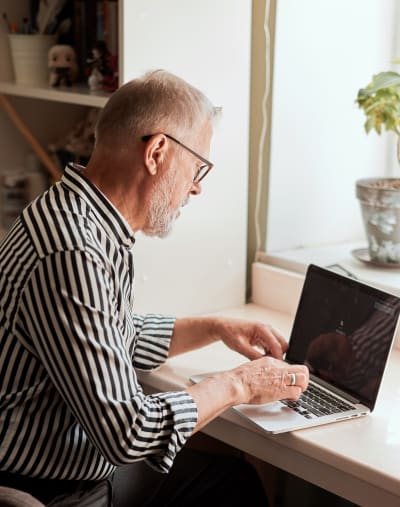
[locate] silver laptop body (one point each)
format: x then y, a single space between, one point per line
343 331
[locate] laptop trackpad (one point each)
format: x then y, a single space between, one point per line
272 417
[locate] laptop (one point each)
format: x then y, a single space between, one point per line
343 331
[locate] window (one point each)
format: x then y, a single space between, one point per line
322 52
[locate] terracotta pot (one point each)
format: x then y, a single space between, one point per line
380 207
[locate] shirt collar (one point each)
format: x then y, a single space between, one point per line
108 215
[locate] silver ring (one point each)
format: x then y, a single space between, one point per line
292 379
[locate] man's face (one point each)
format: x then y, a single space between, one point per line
174 189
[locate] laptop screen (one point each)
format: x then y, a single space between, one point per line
343 331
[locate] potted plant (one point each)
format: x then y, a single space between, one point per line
380 197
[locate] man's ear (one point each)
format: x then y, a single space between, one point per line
154 153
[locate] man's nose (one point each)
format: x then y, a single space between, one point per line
196 188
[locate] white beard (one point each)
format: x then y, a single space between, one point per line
160 217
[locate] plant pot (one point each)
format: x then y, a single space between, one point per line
380 207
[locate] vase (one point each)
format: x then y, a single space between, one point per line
380 206
29 54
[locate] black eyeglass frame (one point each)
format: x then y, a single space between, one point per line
201 173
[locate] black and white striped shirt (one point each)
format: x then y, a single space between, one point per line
71 406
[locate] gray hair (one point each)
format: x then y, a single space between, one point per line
157 102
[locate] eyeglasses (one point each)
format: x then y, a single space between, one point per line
202 171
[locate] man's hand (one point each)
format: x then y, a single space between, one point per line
264 379
260 381
267 379
251 339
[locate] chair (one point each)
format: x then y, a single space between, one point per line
10 497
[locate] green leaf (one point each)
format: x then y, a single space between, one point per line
384 80
380 101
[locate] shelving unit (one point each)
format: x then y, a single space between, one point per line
77 94
65 105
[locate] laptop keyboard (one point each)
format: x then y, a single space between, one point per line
317 402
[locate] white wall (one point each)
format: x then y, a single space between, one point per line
201 266
324 52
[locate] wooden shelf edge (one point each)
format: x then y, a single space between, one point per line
78 94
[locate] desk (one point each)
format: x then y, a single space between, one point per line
356 459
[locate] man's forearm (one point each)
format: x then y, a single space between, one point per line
193 333
214 395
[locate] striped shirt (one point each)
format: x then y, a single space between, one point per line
71 406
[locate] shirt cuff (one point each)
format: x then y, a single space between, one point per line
184 413
153 341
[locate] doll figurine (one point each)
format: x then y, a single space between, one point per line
103 73
62 63
95 80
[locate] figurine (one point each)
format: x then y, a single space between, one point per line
95 80
104 72
62 63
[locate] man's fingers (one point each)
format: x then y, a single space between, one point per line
296 379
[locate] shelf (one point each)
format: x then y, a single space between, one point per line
77 94
298 259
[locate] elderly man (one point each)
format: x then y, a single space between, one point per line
72 411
